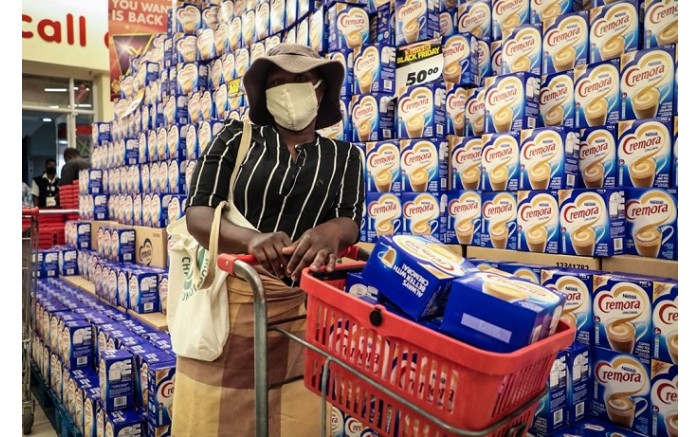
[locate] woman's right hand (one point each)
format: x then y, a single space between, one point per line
267 250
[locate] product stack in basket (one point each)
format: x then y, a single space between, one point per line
113 375
68 195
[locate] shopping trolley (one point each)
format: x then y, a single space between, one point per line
30 243
394 375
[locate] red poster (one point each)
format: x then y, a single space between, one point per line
132 26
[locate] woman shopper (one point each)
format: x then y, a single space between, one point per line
304 196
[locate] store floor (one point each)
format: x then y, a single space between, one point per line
42 427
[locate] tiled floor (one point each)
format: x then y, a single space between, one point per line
42 427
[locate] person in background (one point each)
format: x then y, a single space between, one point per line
45 187
74 163
27 198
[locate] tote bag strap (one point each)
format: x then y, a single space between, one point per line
243 148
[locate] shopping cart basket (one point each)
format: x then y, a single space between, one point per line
394 375
30 241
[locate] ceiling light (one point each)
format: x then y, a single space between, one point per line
55 90
47 120
62 142
84 105
53 106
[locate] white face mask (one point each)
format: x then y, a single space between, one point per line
293 105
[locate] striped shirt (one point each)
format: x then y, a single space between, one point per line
272 190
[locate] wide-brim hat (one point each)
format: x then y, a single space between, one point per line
294 58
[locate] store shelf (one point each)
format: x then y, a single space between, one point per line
545 259
154 320
642 266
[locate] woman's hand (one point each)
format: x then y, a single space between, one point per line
268 249
316 247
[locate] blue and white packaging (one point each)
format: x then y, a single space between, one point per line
577 285
448 23
123 245
181 114
578 363
91 404
529 272
499 313
665 321
499 220
461 61
373 117
496 59
538 221
424 214
188 18
318 32
597 93
248 24
262 21
414 273
143 291
176 207
647 83
416 20
373 69
557 100
116 386
194 107
152 136
84 235
512 102
424 165
475 112
465 163
348 27
101 133
500 162
622 312
337 423
598 157
652 223
192 76
421 111
674 169
565 42
67 261
543 10
347 58
124 423
355 285
621 390
664 399
549 158
99 207
551 412
614 29
190 133
463 217
290 13
475 17
660 23
143 148
77 344
384 167
384 215
644 153
592 222
507 15
216 70
206 106
522 50
176 144
95 182
185 48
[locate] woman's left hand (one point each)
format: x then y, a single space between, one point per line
316 247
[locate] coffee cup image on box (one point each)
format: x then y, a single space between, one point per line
614 30
538 222
598 157
597 94
464 221
455 106
664 398
585 221
499 220
565 42
500 162
652 227
644 153
465 164
647 81
660 23
557 100
665 321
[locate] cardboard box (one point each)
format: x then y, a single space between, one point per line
151 246
522 50
614 30
475 17
639 265
647 82
95 226
597 95
664 399
567 261
660 23
565 42
557 100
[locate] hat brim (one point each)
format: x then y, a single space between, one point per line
333 73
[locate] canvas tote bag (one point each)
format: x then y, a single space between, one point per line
198 313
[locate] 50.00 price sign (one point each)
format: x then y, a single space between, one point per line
418 63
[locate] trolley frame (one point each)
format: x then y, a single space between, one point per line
30 244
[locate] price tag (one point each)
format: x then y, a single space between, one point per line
418 63
234 87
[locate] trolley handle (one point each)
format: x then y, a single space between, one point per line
226 261
30 211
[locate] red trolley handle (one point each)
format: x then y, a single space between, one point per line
226 261
30 211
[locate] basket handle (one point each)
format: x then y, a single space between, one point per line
225 261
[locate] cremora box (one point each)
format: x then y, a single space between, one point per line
424 214
383 166
374 69
463 217
116 375
598 157
500 162
188 18
483 57
348 26
597 93
577 285
665 321
77 344
122 246
192 76
614 30
475 17
143 291
674 169
496 59
461 63
529 272
557 106
499 220
465 163
565 42
414 273
551 412
455 107
507 15
384 215
355 285
543 10
475 111
644 152
318 33
151 246
512 102
421 111
498 313
538 221
416 20
124 423
621 390
664 399
647 83
373 117
592 222
448 23
91 404
347 58
622 312
652 222
660 23
578 363
522 50
424 165
549 158
67 261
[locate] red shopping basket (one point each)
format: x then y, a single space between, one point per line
460 385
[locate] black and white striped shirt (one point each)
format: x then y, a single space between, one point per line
274 192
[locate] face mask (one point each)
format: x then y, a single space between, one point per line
293 105
51 171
